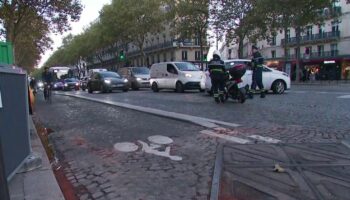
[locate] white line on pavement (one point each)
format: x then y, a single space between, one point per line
265 139
205 122
226 137
344 97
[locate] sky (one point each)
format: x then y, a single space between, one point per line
90 13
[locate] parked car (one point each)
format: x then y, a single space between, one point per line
180 76
106 81
71 84
274 80
83 83
58 85
138 77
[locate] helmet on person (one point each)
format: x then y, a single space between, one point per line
216 53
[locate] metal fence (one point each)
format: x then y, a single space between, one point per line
14 129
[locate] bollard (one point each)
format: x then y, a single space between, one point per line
4 192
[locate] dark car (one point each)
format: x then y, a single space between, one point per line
59 85
107 82
83 83
71 84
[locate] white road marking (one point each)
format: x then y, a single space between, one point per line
159 139
344 97
152 150
126 147
226 137
205 122
265 139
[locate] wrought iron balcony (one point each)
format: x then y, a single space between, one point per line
324 54
326 36
313 55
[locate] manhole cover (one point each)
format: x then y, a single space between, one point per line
159 139
126 147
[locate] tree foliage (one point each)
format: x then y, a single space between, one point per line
192 20
27 24
133 20
237 20
285 14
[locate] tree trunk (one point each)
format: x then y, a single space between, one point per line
201 48
285 48
240 48
297 56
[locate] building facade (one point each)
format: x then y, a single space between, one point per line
159 47
324 52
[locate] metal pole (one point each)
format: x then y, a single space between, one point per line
4 192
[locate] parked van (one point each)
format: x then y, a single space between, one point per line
138 77
180 76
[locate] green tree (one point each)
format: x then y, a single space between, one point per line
285 14
191 20
236 20
127 21
32 20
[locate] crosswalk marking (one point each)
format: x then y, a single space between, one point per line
226 137
265 139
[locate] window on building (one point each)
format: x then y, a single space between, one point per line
273 54
273 42
288 34
296 52
164 57
198 55
196 41
321 30
334 49
308 50
172 58
320 50
158 58
308 31
288 53
335 26
184 55
229 54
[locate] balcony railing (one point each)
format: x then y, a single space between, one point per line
313 38
313 55
324 54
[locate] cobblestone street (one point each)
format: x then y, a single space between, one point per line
85 133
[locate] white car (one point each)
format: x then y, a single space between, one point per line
274 80
179 76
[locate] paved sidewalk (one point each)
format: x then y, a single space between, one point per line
309 171
37 184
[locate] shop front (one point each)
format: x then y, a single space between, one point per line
346 69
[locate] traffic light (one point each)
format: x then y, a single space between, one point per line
121 55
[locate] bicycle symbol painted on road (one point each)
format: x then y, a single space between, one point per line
156 142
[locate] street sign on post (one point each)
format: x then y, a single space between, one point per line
6 53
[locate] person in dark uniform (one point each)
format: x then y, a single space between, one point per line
257 65
218 76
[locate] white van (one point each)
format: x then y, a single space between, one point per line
180 76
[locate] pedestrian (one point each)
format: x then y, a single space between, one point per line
218 76
257 65
32 85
